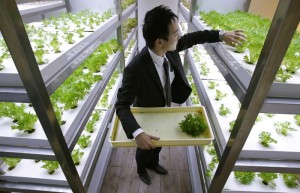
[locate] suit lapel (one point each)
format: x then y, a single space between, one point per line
150 68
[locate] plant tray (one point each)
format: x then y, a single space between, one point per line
164 123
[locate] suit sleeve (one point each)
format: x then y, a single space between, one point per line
199 37
126 96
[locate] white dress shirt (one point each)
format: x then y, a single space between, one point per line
158 63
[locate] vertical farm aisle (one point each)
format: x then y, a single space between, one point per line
121 176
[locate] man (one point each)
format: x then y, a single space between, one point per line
145 80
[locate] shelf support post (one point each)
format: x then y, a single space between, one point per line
120 35
284 24
13 31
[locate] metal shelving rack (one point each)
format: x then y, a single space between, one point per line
41 7
254 95
35 88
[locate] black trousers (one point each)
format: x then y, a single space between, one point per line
146 158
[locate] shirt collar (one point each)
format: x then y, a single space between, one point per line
156 58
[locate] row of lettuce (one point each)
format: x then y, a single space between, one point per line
53 33
247 178
65 98
256 29
49 36
265 139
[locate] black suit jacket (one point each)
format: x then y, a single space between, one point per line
141 85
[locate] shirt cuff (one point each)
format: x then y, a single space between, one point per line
137 132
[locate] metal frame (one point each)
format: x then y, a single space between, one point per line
254 100
55 73
43 10
280 34
281 98
41 149
37 93
18 44
123 15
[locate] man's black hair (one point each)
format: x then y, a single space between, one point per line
156 24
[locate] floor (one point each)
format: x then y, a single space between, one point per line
121 176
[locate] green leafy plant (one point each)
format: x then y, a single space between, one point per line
91 23
55 45
268 178
212 84
128 25
252 56
76 156
39 43
244 177
186 3
219 95
126 3
193 124
11 110
195 100
22 120
69 38
290 180
11 162
84 141
80 32
194 96
282 75
213 164
106 15
240 48
214 160
270 114
297 119
50 166
265 138
211 150
2 58
80 82
90 126
46 22
65 29
39 55
204 69
284 128
291 66
25 122
231 124
223 111
258 118
59 112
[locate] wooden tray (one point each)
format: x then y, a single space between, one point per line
164 123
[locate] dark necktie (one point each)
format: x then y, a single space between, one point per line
168 85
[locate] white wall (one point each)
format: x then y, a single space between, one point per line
93 5
221 6
146 5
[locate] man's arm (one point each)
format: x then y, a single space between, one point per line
125 98
210 36
198 37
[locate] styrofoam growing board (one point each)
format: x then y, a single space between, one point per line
286 147
38 138
32 7
10 77
240 69
29 171
234 186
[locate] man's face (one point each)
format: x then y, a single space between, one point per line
171 43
